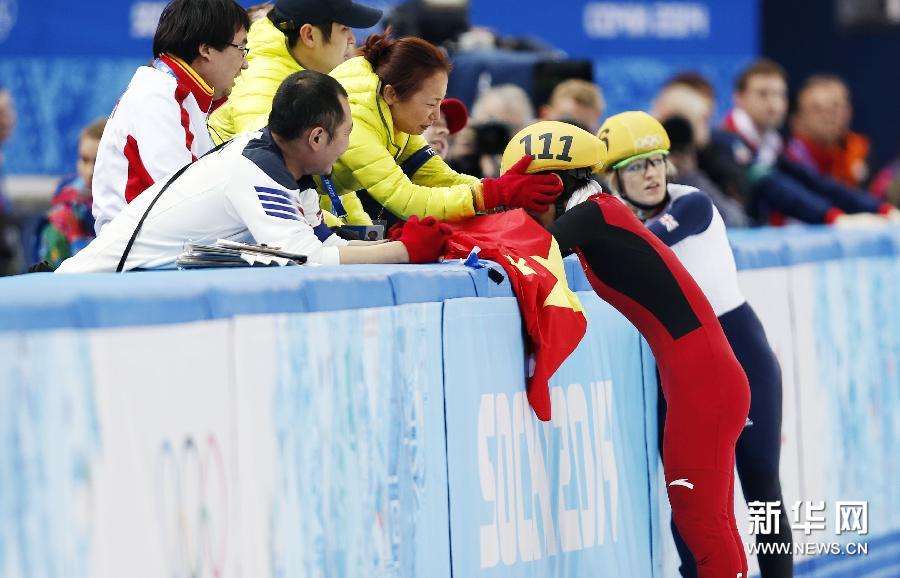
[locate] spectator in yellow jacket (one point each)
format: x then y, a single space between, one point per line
293 36
396 88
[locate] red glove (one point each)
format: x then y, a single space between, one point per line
395 231
424 239
534 193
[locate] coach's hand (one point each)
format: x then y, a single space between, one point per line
425 239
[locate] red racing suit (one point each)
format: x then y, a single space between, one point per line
705 388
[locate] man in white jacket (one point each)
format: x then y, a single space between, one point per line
159 123
257 188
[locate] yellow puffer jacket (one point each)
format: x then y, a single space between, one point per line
250 102
376 151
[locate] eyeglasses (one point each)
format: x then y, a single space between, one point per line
243 48
639 166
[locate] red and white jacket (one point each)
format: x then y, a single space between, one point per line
157 127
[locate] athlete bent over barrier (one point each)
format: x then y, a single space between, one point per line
704 385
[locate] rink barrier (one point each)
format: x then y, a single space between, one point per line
199 422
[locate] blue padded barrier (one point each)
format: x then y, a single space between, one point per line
753 250
575 274
856 244
794 245
810 245
44 301
459 358
293 290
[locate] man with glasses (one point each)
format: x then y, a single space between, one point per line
159 123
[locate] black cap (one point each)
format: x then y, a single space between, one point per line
681 133
346 12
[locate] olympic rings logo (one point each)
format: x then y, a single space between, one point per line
192 491
648 141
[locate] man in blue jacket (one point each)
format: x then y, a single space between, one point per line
780 187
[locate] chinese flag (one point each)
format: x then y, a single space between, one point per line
553 316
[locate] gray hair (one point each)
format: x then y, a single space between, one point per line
504 103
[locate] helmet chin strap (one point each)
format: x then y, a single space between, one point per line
643 211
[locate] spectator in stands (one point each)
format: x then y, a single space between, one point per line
686 114
729 175
396 88
498 113
683 156
781 187
257 187
691 105
821 137
453 118
886 184
507 103
10 243
695 81
159 124
295 35
576 100
7 124
69 224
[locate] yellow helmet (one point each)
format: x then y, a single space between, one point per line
632 135
556 146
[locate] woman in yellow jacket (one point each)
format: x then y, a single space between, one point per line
395 90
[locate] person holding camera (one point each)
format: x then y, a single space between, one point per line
497 114
396 88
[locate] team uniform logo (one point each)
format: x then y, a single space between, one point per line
682 482
669 222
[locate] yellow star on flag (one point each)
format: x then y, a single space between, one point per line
521 265
560 295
